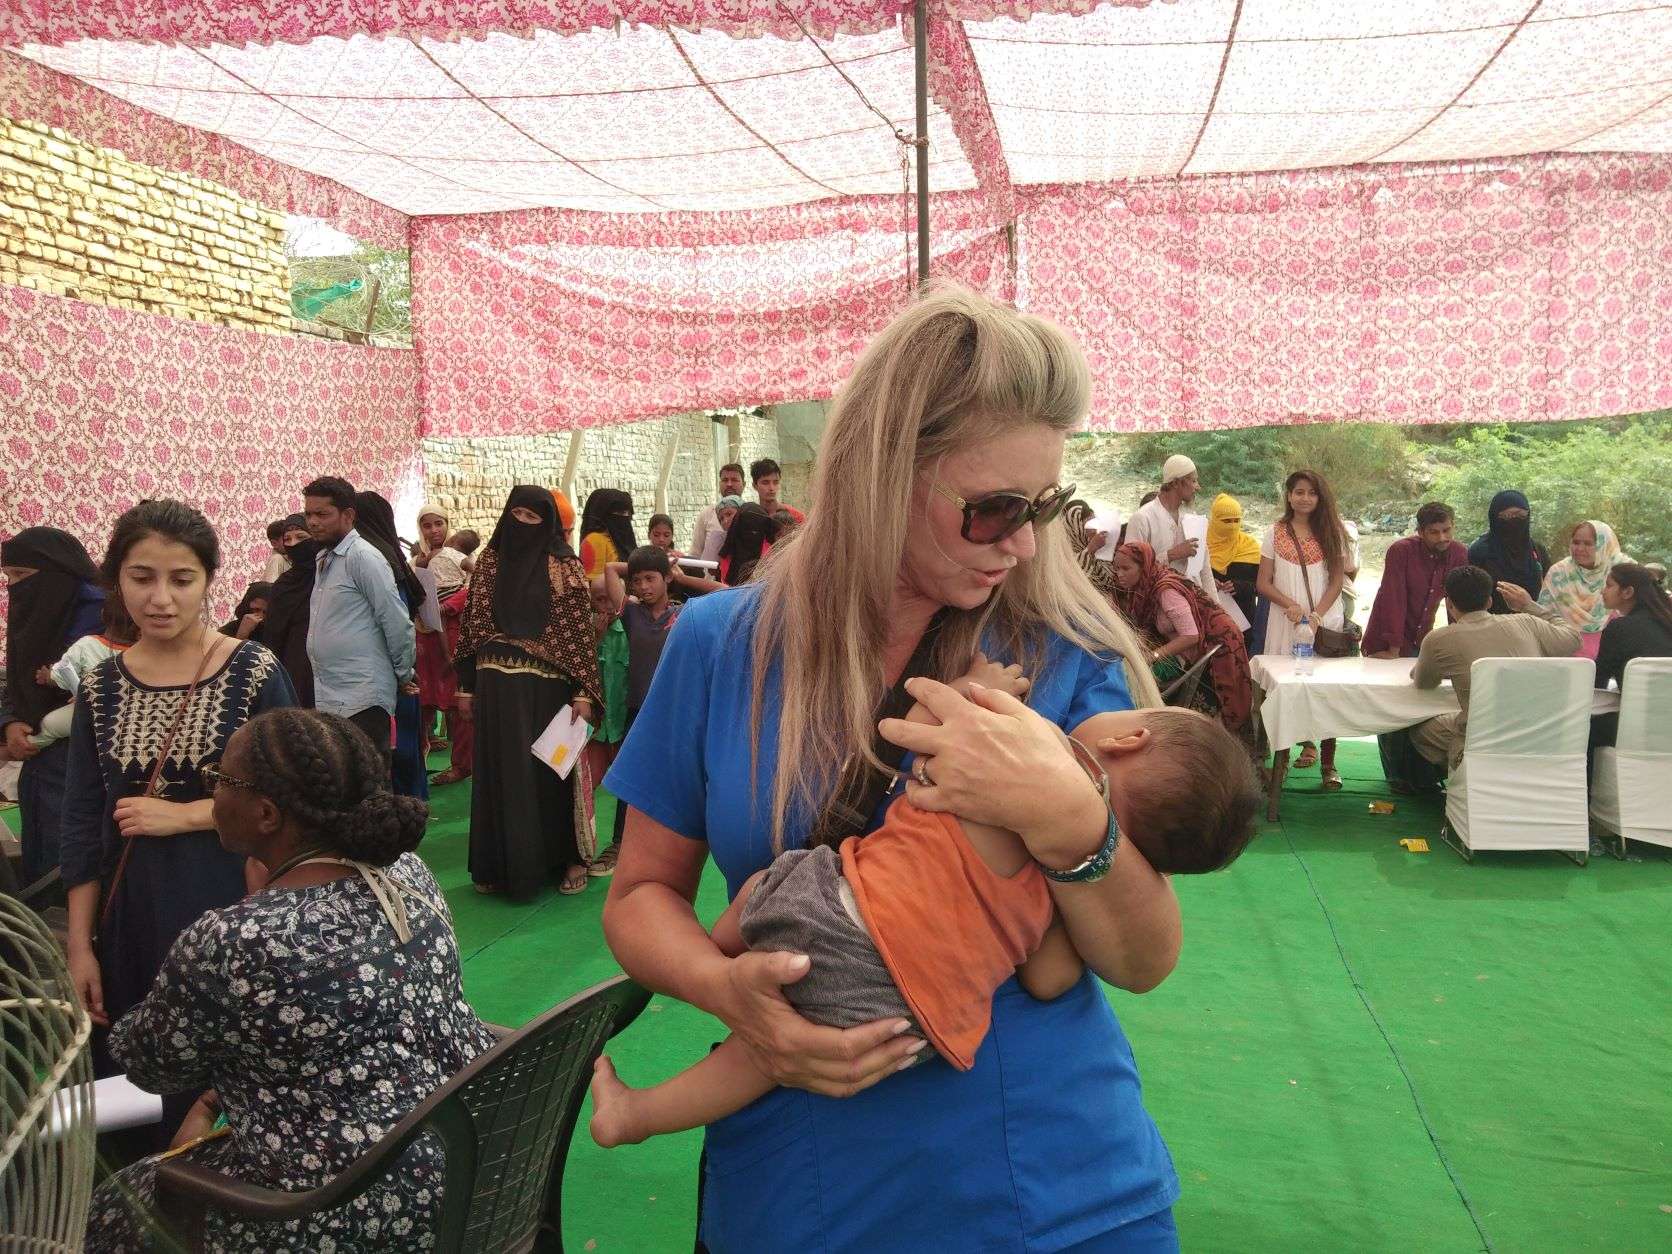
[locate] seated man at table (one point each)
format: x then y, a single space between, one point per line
1473 633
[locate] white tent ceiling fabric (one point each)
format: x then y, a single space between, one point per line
642 119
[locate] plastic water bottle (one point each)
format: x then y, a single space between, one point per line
1302 650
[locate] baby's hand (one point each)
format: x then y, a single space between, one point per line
989 674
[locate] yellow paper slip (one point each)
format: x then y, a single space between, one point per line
1415 844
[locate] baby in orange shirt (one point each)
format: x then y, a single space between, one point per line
924 918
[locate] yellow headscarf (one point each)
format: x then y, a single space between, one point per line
1227 541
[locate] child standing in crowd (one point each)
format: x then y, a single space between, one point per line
612 724
646 616
451 565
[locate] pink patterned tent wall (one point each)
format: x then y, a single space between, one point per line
1511 291
106 406
558 318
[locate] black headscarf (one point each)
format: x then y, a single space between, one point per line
40 611
374 519
1507 551
285 629
257 591
751 530
522 589
609 510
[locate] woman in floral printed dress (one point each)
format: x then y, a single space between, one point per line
316 1013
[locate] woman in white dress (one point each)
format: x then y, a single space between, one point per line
1304 559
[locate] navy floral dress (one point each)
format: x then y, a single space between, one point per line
320 1031
117 732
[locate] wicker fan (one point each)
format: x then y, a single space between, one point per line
46 1104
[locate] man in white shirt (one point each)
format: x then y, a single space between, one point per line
731 484
1160 524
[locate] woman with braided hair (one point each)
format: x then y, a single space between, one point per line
317 1012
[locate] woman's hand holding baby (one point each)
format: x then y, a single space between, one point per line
794 1051
991 761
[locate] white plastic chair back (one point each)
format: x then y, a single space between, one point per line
1631 783
1521 784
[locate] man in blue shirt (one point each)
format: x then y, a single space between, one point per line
360 636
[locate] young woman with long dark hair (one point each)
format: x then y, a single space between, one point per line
1303 567
140 856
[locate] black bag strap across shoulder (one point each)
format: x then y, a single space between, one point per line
862 787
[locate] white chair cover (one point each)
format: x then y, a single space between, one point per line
1521 784
1631 783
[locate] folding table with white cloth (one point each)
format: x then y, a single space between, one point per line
1347 696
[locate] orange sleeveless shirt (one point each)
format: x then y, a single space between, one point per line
949 928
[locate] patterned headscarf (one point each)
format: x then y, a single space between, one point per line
1576 590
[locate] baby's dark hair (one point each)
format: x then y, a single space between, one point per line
326 774
1197 807
466 541
647 557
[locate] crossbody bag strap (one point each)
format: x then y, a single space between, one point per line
862 787
1305 581
156 774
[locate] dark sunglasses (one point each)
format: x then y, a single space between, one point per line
991 518
213 778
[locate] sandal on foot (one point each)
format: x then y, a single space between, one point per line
452 775
1308 758
1332 779
603 866
574 881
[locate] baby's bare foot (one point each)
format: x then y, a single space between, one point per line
612 1104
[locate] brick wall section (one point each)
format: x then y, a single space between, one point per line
82 221
471 478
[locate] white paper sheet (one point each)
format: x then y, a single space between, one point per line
1195 528
117 1104
562 741
1228 603
1109 524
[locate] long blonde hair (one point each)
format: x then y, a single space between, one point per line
953 369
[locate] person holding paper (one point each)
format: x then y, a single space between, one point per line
526 650
1178 538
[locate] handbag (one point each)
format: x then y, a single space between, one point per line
1340 641
151 786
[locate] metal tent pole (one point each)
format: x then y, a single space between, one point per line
920 27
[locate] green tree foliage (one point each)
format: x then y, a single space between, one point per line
1367 464
1619 471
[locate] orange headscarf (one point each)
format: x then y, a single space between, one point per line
565 512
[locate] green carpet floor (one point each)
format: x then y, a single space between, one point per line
1363 1048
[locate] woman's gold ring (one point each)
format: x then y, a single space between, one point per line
920 772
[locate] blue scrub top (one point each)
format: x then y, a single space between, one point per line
1044 1145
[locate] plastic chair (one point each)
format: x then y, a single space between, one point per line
506 1120
1182 691
1631 782
1521 784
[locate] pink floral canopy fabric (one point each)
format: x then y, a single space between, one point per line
1248 211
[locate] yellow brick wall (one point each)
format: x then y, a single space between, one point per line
82 221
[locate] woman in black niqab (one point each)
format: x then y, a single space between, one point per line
610 510
522 590
40 612
46 612
374 519
1508 551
